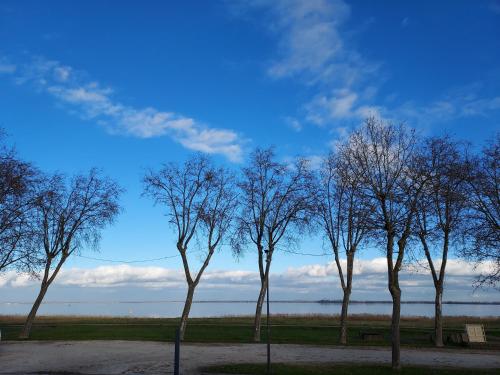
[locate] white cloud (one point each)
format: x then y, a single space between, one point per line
343 104
323 108
92 101
315 161
310 44
211 141
16 280
314 49
349 108
62 73
367 272
460 102
121 275
6 67
293 123
309 282
311 39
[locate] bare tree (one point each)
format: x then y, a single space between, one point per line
343 213
69 217
484 218
276 205
200 202
383 155
441 214
17 180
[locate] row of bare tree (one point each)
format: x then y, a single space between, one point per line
382 187
385 186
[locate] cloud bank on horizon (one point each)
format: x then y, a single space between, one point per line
314 280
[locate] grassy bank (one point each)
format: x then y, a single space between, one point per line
283 369
318 330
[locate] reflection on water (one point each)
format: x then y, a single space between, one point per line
215 309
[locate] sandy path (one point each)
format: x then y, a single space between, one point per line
138 357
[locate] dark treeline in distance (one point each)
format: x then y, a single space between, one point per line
326 301
416 199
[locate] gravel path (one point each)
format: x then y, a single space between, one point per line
141 357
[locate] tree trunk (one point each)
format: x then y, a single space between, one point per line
187 308
346 299
46 281
343 317
25 333
396 315
258 311
438 322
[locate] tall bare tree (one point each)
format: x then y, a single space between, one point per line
200 202
343 213
17 182
68 218
484 218
383 154
276 206
442 211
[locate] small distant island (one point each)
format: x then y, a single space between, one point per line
327 301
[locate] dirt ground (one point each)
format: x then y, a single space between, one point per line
138 357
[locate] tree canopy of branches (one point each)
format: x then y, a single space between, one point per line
200 201
17 179
441 214
276 206
484 219
383 155
343 213
67 218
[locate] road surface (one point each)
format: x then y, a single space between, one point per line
142 357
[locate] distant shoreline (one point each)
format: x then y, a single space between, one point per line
252 301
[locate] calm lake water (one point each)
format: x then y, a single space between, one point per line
216 309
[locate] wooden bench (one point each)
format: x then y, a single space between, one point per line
475 333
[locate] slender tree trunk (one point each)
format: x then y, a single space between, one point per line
264 277
438 318
438 285
258 311
46 281
191 283
25 333
345 300
438 321
393 284
187 308
343 317
396 316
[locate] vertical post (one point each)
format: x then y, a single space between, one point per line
268 326
177 350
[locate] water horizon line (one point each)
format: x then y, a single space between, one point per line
322 301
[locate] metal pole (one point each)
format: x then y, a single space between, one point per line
177 350
268 326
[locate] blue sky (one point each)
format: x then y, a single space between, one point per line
126 86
